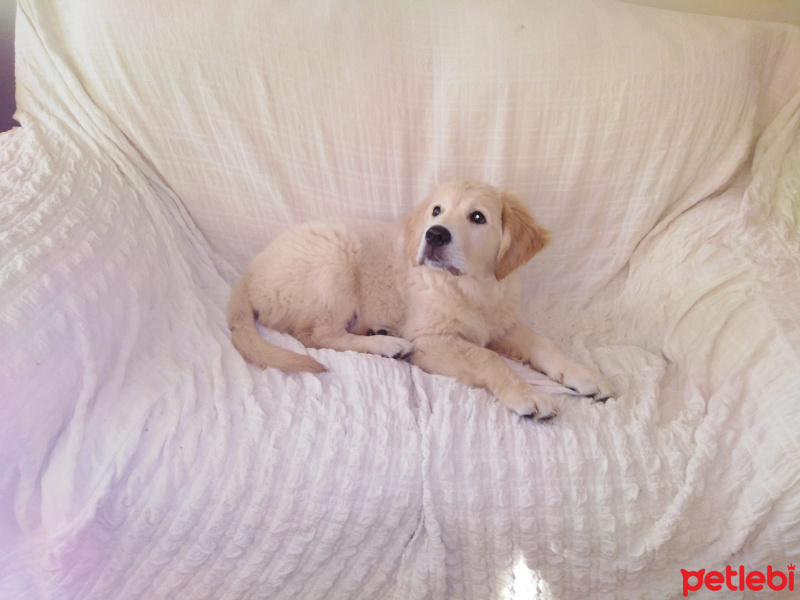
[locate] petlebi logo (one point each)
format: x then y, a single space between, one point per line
740 579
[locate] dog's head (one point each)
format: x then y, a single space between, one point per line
469 228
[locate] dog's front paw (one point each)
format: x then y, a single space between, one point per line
392 347
587 382
530 403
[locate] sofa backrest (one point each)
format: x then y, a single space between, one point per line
606 118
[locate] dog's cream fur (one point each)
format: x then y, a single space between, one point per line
453 309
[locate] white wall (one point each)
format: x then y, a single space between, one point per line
786 11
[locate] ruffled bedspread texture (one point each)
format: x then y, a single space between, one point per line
164 143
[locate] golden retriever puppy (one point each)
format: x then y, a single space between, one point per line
439 286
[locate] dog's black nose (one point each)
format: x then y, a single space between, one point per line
438 236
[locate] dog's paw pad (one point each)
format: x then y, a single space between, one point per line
378 332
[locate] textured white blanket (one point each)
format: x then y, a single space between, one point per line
164 142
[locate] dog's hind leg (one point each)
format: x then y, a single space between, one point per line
325 336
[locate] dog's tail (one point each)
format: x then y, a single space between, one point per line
252 346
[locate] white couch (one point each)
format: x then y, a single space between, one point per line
163 143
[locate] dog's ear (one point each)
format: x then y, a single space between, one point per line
412 231
522 236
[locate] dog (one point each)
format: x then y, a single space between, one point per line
439 288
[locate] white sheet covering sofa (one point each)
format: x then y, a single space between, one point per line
164 142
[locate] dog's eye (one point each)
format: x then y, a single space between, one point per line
436 211
477 217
